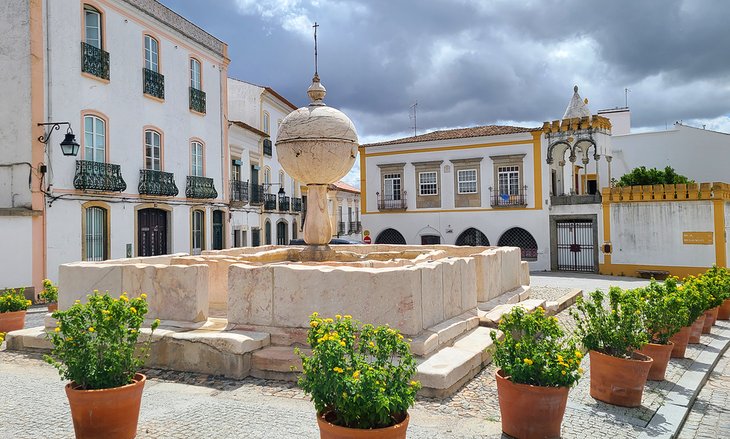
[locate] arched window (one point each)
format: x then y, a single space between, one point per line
294 229
92 27
96 234
472 236
266 122
282 233
196 158
390 236
151 54
94 139
519 237
153 150
267 232
196 78
197 230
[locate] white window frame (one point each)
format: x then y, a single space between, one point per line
94 138
428 188
151 53
463 181
197 230
153 150
196 159
508 180
196 74
393 182
96 233
267 122
89 12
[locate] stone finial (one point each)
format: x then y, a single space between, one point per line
316 91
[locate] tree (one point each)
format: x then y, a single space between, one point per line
641 176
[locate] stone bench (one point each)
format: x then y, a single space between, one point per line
656 274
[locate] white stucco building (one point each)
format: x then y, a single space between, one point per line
143 90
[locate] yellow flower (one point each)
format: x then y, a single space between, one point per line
372 345
133 309
123 298
28 302
348 316
578 354
313 323
356 375
338 369
563 372
414 383
133 331
328 320
105 311
77 301
400 337
69 338
315 314
143 295
528 361
91 329
337 316
342 343
560 358
580 370
57 329
344 395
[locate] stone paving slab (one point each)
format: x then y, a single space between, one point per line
710 415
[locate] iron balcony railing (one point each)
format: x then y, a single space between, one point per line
284 204
354 227
200 187
510 200
94 61
341 228
197 100
269 201
156 183
257 195
268 150
154 83
99 176
239 191
395 201
296 204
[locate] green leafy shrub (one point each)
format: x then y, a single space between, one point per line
694 297
358 375
616 330
535 350
664 309
14 300
50 292
642 176
94 343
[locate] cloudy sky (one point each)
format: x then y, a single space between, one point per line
479 62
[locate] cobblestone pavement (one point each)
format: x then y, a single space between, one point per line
585 281
710 415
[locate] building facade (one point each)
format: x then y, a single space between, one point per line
143 91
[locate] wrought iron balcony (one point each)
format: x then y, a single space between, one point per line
257 195
99 176
296 204
154 83
94 61
200 187
510 200
354 227
284 203
268 149
340 228
239 192
395 201
197 100
269 201
156 183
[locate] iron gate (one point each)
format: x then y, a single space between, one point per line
575 245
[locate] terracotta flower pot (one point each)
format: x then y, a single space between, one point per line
660 353
12 321
710 316
724 312
696 330
53 307
619 381
327 430
530 411
106 413
680 341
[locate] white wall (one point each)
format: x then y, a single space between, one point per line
16 263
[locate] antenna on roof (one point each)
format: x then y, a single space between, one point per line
626 97
412 115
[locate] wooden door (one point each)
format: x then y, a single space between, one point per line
152 232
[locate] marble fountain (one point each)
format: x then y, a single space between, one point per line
240 312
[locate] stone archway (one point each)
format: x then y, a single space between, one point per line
472 236
519 237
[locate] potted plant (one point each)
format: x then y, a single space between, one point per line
696 304
613 336
664 314
537 365
359 378
723 312
713 282
49 295
13 306
95 347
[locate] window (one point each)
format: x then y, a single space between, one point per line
96 234
391 190
267 180
427 184
151 54
267 232
197 228
467 181
509 180
195 74
196 159
236 170
153 150
266 122
92 27
94 139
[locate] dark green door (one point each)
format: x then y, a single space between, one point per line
217 230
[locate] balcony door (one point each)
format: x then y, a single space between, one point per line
217 230
151 232
392 189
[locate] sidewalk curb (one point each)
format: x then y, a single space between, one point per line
668 421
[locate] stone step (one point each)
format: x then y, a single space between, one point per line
444 372
492 318
555 306
443 334
517 295
29 339
276 362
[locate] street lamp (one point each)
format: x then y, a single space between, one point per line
69 145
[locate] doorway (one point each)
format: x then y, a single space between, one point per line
152 232
282 235
217 230
574 244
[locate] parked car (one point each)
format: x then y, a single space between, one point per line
333 241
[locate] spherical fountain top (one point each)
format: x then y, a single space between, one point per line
316 144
